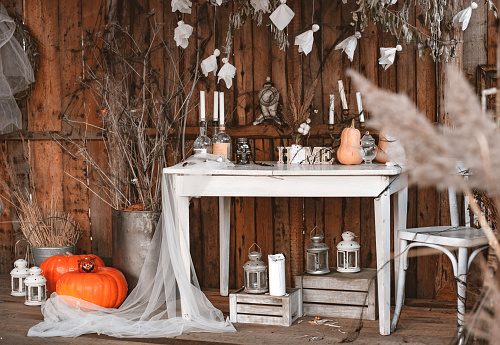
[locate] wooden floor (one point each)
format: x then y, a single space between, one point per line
418 325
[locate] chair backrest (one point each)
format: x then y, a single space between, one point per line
454 213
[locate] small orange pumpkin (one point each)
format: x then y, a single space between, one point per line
103 286
57 265
383 145
348 151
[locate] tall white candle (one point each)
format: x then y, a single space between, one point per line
331 110
216 105
202 106
277 281
360 107
342 95
221 107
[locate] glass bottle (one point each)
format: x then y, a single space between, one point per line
367 148
222 143
202 144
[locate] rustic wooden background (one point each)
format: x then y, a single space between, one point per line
278 224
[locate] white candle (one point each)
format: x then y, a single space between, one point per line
360 107
216 105
202 106
331 110
221 107
342 95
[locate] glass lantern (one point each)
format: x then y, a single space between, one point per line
317 254
348 254
255 272
36 292
367 148
17 277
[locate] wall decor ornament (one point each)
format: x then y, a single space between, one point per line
464 16
315 155
183 6
269 103
227 72
387 56
305 40
210 63
182 33
348 45
282 16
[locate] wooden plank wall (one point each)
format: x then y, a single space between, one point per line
278 224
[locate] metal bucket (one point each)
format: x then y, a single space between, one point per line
132 234
42 253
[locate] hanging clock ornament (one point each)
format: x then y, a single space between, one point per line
269 103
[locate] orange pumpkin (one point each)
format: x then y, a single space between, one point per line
383 145
57 265
103 286
348 151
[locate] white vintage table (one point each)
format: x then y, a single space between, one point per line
281 180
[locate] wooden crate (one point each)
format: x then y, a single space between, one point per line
337 294
265 309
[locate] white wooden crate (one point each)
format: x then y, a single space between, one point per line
265 309
337 294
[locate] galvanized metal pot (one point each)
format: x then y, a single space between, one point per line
42 253
132 234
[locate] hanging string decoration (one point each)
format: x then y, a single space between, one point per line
227 72
305 40
210 63
464 16
348 45
260 5
183 6
282 16
387 56
182 33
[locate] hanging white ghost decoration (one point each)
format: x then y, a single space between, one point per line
464 16
305 40
260 5
183 6
210 64
387 56
217 2
227 72
182 33
282 16
348 45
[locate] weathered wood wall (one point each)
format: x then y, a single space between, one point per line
278 224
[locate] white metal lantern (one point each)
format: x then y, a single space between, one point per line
36 292
348 253
317 254
17 277
255 272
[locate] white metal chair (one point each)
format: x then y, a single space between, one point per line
448 239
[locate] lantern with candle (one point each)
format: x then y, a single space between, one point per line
348 254
18 276
317 253
36 292
255 272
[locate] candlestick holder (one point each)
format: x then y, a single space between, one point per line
331 127
345 114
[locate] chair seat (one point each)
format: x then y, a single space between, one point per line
462 236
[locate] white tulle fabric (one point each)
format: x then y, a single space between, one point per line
16 74
153 308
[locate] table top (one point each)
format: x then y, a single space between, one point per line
283 169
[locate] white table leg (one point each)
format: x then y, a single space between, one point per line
400 211
182 215
383 239
224 241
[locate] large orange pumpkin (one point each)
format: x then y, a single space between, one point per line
348 151
57 265
103 286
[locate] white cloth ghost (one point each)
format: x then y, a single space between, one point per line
464 16
227 72
260 5
218 2
210 64
348 45
305 40
387 56
182 33
183 6
282 16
